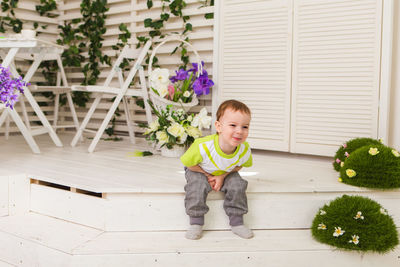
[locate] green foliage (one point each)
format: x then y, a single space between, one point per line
45 8
175 8
9 21
93 28
375 229
349 147
373 171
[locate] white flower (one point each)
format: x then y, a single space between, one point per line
354 239
201 120
395 153
153 126
162 90
383 211
180 111
170 118
190 118
373 151
322 212
186 94
193 131
176 129
159 76
341 164
359 216
181 139
159 81
338 232
162 137
321 226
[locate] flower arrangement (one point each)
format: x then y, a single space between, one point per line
183 86
355 223
176 128
10 88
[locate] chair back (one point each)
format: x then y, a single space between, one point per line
128 53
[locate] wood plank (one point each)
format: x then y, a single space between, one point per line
75 207
19 193
3 196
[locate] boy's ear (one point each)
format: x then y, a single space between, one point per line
217 126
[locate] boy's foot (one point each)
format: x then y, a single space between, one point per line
194 232
242 231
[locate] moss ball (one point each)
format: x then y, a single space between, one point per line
349 147
355 223
372 166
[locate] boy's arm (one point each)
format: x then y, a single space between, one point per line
197 168
216 182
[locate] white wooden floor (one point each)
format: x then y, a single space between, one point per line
112 168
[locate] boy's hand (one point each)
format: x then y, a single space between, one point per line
216 182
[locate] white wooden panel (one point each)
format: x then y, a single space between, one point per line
70 206
19 194
336 66
4 195
255 66
163 212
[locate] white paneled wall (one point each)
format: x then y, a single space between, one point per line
132 13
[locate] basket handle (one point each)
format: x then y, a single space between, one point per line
175 38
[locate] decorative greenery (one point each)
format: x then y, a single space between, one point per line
355 223
93 27
372 166
176 128
45 8
169 8
347 148
10 21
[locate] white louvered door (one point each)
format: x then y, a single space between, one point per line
255 65
336 66
310 86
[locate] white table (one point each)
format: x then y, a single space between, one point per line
39 49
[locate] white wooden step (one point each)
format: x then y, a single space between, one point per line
36 240
165 212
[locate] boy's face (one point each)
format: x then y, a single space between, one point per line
233 127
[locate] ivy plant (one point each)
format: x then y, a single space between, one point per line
9 21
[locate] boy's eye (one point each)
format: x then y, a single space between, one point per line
245 127
233 125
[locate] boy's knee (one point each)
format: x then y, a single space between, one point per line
235 182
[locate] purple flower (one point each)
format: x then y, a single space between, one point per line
181 75
202 84
196 68
10 88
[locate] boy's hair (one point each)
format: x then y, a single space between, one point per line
234 105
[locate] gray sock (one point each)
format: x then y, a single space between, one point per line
194 232
242 231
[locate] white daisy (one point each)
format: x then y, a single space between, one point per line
338 232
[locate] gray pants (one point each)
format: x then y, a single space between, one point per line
197 189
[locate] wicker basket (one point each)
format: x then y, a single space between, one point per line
175 152
161 102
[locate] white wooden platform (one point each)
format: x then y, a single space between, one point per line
66 207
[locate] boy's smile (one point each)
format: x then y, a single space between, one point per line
233 129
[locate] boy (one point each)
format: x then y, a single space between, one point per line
213 162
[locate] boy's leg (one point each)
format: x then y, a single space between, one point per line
197 189
235 203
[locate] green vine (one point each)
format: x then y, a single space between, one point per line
93 27
10 21
45 8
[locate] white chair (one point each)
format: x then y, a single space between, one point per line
120 92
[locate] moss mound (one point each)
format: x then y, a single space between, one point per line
372 166
355 223
349 147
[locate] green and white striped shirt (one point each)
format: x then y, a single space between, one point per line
206 153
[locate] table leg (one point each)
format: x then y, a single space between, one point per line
21 126
33 102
